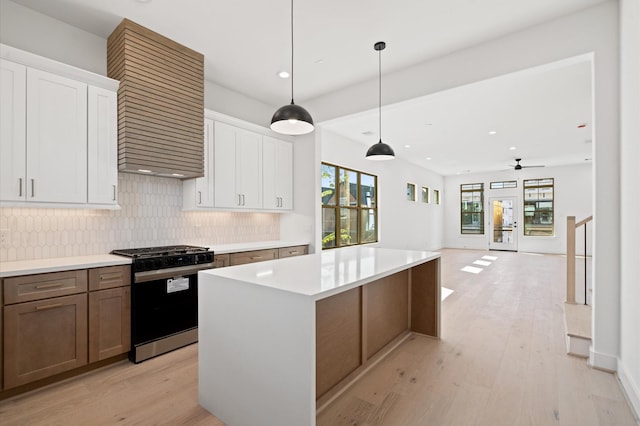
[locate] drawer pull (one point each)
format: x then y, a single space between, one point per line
293 252
43 286
111 276
45 307
256 257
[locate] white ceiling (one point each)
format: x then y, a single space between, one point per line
246 42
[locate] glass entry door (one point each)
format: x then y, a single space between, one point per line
503 224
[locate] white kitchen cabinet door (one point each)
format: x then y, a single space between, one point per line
238 168
225 193
102 146
249 168
204 185
56 138
13 148
277 183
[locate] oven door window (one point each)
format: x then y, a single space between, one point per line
164 307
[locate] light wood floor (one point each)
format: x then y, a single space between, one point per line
501 361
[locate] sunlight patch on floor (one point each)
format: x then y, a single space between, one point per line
445 292
490 257
481 262
471 269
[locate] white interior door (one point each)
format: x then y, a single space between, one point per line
503 224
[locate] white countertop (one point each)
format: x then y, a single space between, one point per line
259 245
40 266
323 274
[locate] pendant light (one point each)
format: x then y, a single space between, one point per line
380 151
292 119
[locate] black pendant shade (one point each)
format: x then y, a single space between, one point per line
292 119
380 151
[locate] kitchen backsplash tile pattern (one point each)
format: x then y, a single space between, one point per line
151 214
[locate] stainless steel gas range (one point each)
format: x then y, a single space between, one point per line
164 297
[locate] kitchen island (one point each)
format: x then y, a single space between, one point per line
279 339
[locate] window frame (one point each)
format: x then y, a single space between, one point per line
359 208
526 231
472 188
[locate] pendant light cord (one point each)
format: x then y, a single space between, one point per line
380 94
291 51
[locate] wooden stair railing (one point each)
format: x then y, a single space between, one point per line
571 257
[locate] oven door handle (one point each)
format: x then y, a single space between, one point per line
140 277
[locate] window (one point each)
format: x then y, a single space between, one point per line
411 192
349 206
472 208
436 196
504 184
425 194
538 207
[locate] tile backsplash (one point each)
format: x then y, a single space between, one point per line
150 215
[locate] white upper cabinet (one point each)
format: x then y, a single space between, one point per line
13 142
238 168
243 169
102 146
277 174
58 137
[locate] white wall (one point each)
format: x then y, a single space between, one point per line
593 31
572 197
629 361
403 224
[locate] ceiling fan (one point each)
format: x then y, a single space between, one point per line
518 166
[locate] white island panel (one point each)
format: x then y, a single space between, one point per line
256 353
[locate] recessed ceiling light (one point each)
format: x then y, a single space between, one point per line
143 1
368 133
428 158
319 61
492 132
407 146
283 74
512 148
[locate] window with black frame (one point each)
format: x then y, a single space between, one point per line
472 208
349 207
538 207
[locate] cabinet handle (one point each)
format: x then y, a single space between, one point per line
239 200
114 192
111 276
42 308
255 257
199 197
19 187
293 252
243 203
33 188
40 287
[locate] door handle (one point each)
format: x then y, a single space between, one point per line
19 187
114 192
33 188
199 197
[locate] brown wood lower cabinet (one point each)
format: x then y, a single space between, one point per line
243 257
109 323
48 331
44 338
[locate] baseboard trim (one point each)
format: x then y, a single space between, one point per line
602 361
630 389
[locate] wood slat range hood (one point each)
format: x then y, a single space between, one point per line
160 102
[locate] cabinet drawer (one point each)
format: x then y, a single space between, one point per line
252 256
292 251
43 286
109 277
221 260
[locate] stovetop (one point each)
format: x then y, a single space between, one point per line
156 258
146 252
